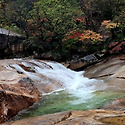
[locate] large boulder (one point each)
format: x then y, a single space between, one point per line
111 70
17 92
91 117
82 62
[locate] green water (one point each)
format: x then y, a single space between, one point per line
63 101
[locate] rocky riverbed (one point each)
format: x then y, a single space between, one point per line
17 85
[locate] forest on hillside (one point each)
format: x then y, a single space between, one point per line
67 29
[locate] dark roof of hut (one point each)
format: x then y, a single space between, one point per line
8 32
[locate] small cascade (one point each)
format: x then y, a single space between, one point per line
68 80
62 89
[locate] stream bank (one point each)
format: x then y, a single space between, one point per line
91 117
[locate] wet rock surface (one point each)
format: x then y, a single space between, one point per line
17 92
15 97
91 117
111 70
22 67
117 104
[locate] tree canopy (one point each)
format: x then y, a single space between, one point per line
67 27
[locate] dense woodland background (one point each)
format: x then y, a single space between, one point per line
66 29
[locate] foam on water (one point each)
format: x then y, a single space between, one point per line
31 75
72 81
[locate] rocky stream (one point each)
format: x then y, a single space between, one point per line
48 93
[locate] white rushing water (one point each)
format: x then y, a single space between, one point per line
73 82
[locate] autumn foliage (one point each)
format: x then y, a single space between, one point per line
67 27
116 47
86 36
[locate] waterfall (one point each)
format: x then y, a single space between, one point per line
73 82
